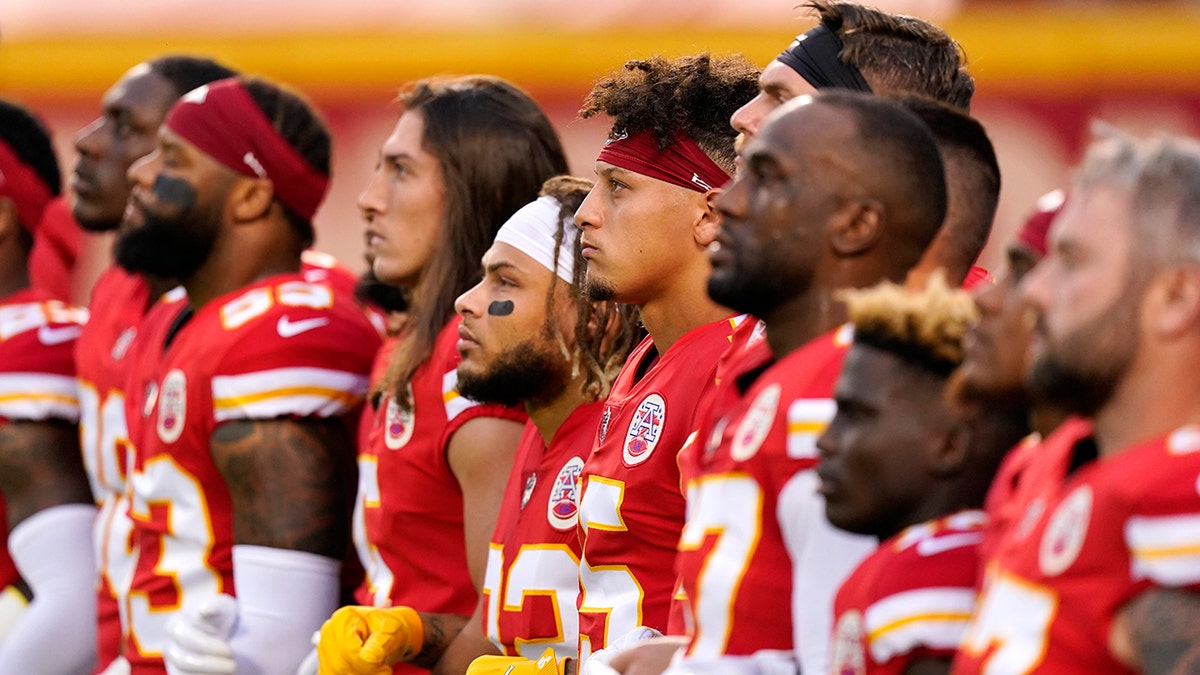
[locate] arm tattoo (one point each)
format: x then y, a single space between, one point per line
440 631
40 467
1164 628
290 481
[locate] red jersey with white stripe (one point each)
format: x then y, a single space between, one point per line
532 581
753 510
37 338
280 347
408 517
118 304
1088 542
910 599
632 508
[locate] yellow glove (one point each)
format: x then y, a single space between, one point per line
367 640
547 664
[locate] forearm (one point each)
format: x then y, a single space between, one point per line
1158 633
469 644
440 633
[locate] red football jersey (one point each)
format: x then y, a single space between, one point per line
1087 542
408 517
632 508
532 581
118 303
37 338
755 523
280 347
910 599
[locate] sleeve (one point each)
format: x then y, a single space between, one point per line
1162 527
822 557
295 364
37 374
460 409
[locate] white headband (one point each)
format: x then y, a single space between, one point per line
531 230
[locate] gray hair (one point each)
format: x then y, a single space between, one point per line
1161 175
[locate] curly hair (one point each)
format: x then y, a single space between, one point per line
695 95
897 53
925 327
605 332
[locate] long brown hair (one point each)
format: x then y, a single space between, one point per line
496 148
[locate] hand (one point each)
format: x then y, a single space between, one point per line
547 664
198 639
368 640
626 641
648 658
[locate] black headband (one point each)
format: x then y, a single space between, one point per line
816 56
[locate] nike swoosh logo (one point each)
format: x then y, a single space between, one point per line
948 542
49 335
289 328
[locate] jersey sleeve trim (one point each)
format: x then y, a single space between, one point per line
935 618
38 396
455 403
1164 549
304 392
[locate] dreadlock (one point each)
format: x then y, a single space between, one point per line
605 332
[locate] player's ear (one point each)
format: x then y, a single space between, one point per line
709 221
953 452
251 198
856 227
1175 298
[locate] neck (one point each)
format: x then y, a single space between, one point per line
667 319
1044 419
242 255
15 279
1156 396
548 416
801 319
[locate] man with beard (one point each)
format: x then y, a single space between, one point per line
529 337
1100 572
42 483
126 130
240 395
841 190
900 463
995 354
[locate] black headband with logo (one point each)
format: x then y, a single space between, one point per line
815 55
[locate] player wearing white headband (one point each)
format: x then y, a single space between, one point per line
527 336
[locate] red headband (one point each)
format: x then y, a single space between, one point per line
20 183
681 163
222 121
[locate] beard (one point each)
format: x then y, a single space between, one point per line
175 237
523 373
1080 372
598 291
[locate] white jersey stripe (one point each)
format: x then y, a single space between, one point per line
931 617
38 396
1164 549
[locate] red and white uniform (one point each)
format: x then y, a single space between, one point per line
37 338
1088 542
408 516
756 541
632 508
910 599
280 347
118 303
532 580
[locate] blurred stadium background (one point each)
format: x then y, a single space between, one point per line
1044 68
